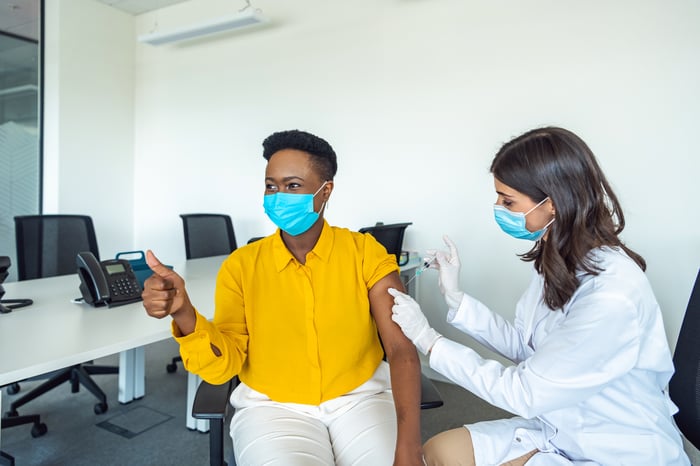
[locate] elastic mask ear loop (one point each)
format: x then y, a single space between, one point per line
539 204
323 206
319 189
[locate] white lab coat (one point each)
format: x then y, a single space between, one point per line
589 379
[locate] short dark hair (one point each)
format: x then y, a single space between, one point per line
555 163
322 154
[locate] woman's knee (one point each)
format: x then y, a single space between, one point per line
450 448
275 435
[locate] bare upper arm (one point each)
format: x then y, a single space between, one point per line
381 303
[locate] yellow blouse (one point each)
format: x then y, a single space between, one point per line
300 333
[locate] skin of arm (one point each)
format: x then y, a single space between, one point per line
405 371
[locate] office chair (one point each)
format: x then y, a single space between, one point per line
684 387
7 305
206 235
211 402
47 245
390 236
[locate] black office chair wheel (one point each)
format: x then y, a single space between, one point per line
13 388
171 368
39 429
101 408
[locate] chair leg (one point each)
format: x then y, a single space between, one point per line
74 382
172 367
216 442
53 382
6 460
77 375
92 387
38 429
100 370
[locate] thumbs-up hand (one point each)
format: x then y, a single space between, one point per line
164 293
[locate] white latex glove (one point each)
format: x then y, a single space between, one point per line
448 264
407 314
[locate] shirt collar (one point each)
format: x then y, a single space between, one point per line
322 249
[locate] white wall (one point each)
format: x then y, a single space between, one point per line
88 118
416 96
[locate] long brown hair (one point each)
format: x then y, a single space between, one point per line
554 162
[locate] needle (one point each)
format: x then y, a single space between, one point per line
420 270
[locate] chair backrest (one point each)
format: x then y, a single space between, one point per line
684 386
390 236
47 245
208 235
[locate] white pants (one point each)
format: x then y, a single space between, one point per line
356 429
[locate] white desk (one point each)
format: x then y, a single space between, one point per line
54 333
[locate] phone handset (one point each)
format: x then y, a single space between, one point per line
93 283
111 282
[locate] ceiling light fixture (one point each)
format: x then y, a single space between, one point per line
247 18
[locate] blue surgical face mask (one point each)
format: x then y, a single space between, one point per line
514 223
292 213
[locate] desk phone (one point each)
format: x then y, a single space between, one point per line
111 282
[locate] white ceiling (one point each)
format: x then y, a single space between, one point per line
20 17
136 7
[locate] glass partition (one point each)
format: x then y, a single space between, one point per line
20 123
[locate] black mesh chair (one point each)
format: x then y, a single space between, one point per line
391 237
47 246
7 305
206 235
684 386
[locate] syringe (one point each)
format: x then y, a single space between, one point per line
426 265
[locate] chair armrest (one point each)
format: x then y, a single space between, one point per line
429 396
211 401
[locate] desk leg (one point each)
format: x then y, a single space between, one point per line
132 374
201 425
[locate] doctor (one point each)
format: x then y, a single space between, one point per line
590 357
